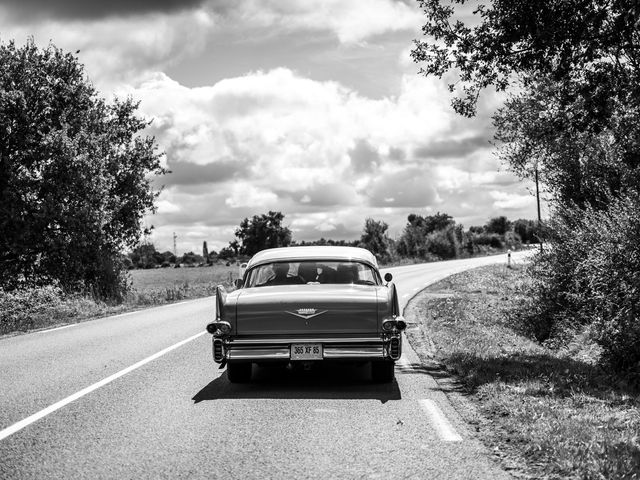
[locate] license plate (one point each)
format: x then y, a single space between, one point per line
306 351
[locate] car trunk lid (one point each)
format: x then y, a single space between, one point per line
307 310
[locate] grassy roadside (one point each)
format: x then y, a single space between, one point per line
544 413
45 307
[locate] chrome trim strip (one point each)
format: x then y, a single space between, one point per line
333 352
362 352
289 340
258 354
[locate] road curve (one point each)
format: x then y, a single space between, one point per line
138 396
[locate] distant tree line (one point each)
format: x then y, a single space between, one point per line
424 238
146 256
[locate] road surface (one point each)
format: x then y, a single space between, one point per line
138 396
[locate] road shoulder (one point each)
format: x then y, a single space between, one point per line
541 413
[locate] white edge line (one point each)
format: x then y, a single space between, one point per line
442 426
52 408
57 328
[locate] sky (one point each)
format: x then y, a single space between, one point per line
313 109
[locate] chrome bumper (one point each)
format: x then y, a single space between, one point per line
256 350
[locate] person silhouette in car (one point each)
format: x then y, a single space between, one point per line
281 271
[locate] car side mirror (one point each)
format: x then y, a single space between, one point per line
238 282
388 277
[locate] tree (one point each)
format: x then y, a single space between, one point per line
413 242
527 230
75 175
569 41
262 232
499 225
573 117
374 238
574 120
205 252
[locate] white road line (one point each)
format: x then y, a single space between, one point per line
442 426
52 408
58 328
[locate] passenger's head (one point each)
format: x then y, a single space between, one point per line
308 271
281 269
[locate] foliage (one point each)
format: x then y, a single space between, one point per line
527 230
205 252
575 65
75 176
439 237
591 276
27 308
262 232
413 241
374 238
325 241
191 258
573 41
499 225
573 120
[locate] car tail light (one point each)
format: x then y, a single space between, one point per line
389 324
220 328
218 350
394 348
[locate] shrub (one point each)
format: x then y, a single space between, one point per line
591 277
493 240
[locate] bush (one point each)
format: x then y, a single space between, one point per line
591 277
493 240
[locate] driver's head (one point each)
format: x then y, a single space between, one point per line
281 269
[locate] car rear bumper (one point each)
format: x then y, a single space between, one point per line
279 349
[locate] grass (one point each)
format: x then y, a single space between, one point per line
546 413
162 285
31 309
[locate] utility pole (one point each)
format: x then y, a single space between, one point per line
538 200
174 244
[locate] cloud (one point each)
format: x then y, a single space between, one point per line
452 147
350 21
83 9
188 173
510 201
319 152
411 188
118 50
364 158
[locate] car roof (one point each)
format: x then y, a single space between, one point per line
313 253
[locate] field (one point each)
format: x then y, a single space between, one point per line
45 307
162 285
543 412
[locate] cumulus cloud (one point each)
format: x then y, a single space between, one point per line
452 147
409 188
351 21
319 152
510 201
118 50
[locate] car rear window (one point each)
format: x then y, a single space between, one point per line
312 272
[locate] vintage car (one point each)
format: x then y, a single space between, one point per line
302 305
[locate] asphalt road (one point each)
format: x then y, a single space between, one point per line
138 396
